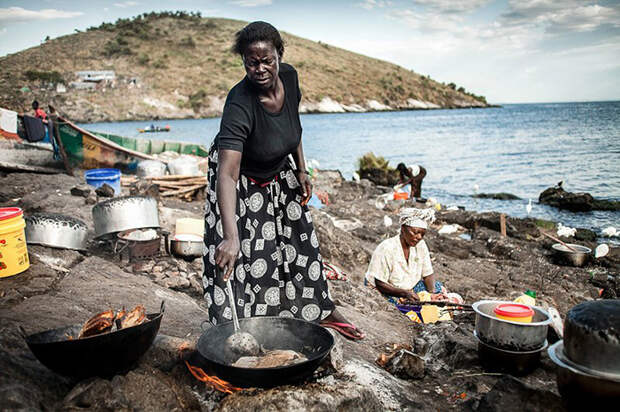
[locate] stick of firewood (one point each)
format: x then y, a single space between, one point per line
572 249
173 177
180 183
502 224
181 191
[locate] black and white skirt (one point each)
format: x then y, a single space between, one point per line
279 271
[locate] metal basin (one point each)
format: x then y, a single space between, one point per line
151 168
124 213
501 360
508 335
187 249
565 256
581 387
55 230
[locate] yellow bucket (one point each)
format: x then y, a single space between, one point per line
13 249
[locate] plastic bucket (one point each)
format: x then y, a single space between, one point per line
401 195
97 177
13 249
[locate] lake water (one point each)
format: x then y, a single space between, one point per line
520 149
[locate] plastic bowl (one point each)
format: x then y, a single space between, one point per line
515 312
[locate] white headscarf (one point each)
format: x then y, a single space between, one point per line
414 217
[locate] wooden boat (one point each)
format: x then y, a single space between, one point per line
155 129
88 150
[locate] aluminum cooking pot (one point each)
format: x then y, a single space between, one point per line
565 256
124 213
509 335
186 249
58 231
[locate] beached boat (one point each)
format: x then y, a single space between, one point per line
88 150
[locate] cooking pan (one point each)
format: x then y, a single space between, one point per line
310 339
102 355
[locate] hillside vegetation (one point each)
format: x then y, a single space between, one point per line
179 65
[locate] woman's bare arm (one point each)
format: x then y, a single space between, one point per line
229 164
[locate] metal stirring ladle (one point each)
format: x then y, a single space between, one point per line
240 343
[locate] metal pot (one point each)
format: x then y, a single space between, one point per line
581 387
314 341
102 355
139 248
124 213
509 335
186 249
565 256
589 337
54 230
517 363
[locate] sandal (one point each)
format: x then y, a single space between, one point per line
343 328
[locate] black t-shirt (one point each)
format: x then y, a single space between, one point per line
265 139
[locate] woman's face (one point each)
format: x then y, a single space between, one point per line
412 235
262 64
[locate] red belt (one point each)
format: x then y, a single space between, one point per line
275 179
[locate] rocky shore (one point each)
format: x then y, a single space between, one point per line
66 287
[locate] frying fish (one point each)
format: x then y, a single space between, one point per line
271 359
100 323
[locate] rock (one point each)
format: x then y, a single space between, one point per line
560 198
510 394
496 196
91 199
105 190
81 190
146 389
406 365
342 396
586 235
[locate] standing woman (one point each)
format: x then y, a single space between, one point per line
258 227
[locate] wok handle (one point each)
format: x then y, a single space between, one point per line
233 304
162 307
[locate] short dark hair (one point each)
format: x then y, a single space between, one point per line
35 105
258 31
401 167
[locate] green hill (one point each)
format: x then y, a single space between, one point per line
179 65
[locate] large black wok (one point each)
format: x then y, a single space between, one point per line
102 355
312 340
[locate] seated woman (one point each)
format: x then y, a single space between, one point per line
401 266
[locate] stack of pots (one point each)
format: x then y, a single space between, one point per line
506 345
588 358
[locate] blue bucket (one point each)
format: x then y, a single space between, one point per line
97 177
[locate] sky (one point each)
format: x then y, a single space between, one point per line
511 51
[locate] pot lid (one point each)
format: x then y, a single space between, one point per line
514 310
9 213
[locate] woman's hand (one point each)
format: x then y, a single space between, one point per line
226 254
412 296
306 186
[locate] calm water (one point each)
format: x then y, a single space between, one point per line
520 149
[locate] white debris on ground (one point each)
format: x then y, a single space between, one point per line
449 229
566 231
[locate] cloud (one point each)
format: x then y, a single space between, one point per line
251 3
451 6
126 4
2 31
17 14
561 16
371 4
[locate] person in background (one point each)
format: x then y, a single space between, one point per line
259 230
411 177
38 112
400 267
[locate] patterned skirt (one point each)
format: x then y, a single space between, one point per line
279 271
